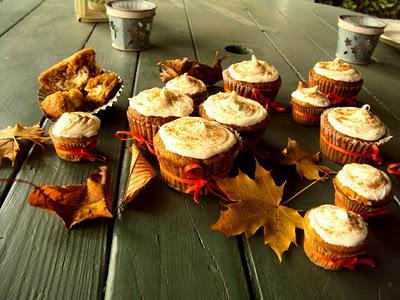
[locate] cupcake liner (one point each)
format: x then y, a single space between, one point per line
346 143
327 86
145 129
198 99
317 260
267 89
300 112
42 94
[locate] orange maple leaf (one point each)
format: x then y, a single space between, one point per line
76 203
257 203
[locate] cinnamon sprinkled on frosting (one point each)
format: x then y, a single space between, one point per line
253 71
356 122
311 96
365 180
186 84
337 70
196 137
337 226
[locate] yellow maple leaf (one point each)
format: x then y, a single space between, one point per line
257 203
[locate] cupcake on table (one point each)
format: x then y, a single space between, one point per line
362 189
75 135
334 238
254 79
190 86
337 79
192 150
308 104
351 134
152 108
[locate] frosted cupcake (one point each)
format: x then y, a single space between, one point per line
154 107
337 78
190 86
75 135
351 134
251 78
362 189
308 105
334 237
247 117
192 150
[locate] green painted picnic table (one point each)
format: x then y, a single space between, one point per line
161 246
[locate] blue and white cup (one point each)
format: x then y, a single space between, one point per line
357 38
130 23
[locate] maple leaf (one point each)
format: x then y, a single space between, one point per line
9 137
76 203
141 172
306 163
257 203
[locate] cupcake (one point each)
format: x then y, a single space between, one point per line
154 107
192 150
251 78
308 104
75 135
362 189
351 134
337 79
246 116
190 86
334 237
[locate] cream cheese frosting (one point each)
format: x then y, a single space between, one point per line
253 71
357 122
336 226
196 137
163 103
232 109
365 180
311 96
337 70
76 125
186 84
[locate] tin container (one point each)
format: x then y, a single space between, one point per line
130 24
357 38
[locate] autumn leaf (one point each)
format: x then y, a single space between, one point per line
257 203
9 137
141 172
74 204
305 162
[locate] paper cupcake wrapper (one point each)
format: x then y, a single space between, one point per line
42 94
300 113
269 90
327 86
317 260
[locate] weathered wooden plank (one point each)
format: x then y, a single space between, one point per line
162 246
12 12
40 258
305 279
36 43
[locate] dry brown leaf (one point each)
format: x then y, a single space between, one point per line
141 172
257 204
9 137
172 68
306 163
76 203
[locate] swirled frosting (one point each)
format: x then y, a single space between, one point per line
336 226
337 70
76 125
254 71
357 122
311 96
196 137
232 109
186 84
162 103
365 180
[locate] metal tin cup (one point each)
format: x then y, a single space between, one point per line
130 23
357 38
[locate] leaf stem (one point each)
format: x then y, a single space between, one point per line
302 190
